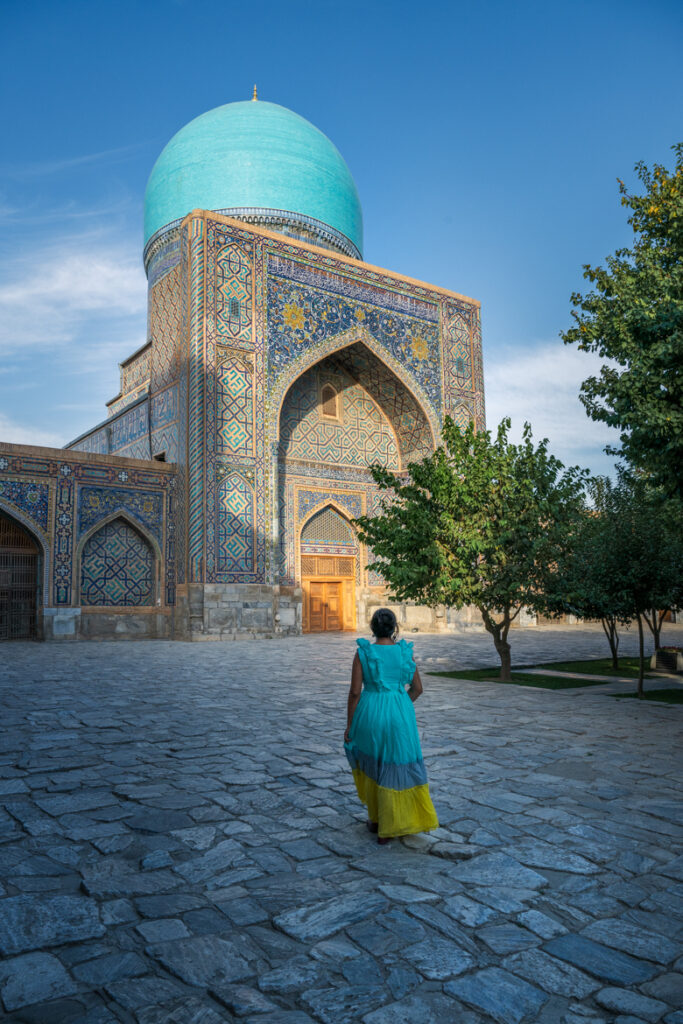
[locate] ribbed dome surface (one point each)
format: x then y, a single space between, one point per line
257 156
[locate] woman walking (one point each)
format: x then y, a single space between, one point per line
381 739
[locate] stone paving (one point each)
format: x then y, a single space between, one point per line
180 842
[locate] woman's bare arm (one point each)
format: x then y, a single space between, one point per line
415 688
354 693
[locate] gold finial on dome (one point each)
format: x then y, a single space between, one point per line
255 96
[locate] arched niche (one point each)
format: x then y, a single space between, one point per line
386 379
20 579
119 565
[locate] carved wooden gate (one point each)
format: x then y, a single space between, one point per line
18 582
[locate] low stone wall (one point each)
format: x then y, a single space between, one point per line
65 624
226 611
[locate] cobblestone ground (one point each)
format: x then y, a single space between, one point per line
181 843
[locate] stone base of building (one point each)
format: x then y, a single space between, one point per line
231 611
62 624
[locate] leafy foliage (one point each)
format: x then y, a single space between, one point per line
481 522
626 560
634 319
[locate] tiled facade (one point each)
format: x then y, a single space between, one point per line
105 529
246 329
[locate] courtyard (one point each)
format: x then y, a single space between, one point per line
181 843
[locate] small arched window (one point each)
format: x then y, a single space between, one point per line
234 308
329 402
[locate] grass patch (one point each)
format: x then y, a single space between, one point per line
491 675
597 667
674 696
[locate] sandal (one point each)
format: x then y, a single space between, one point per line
383 840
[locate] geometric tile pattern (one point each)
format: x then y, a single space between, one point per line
361 436
462 363
135 371
164 329
195 454
233 293
61 497
327 532
235 405
117 567
235 515
393 397
301 317
97 503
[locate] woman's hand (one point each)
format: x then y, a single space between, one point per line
346 736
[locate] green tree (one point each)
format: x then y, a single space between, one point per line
634 319
593 578
479 522
626 560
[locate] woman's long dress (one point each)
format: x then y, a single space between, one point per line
384 746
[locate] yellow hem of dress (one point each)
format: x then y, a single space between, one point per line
398 812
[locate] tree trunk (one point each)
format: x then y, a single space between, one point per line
505 655
654 620
610 629
641 665
499 632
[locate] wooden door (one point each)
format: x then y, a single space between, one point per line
325 606
334 619
316 607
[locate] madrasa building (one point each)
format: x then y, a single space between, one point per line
217 497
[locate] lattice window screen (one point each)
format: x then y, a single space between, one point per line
329 397
326 566
328 527
234 307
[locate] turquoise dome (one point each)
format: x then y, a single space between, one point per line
260 162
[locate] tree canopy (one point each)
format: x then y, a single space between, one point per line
634 319
481 521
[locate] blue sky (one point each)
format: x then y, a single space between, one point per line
485 140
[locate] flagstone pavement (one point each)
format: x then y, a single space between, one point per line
180 842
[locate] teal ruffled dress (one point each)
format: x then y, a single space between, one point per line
384 749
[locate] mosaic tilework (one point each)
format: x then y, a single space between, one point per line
135 372
63 543
363 436
117 567
166 257
299 497
164 329
96 503
195 512
356 285
233 286
29 497
79 495
235 403
303 316
235 516
393 397
463 370
328 533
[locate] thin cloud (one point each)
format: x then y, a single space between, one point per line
542 387
40 168
53 293
19 433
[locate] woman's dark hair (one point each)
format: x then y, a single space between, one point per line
383 623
